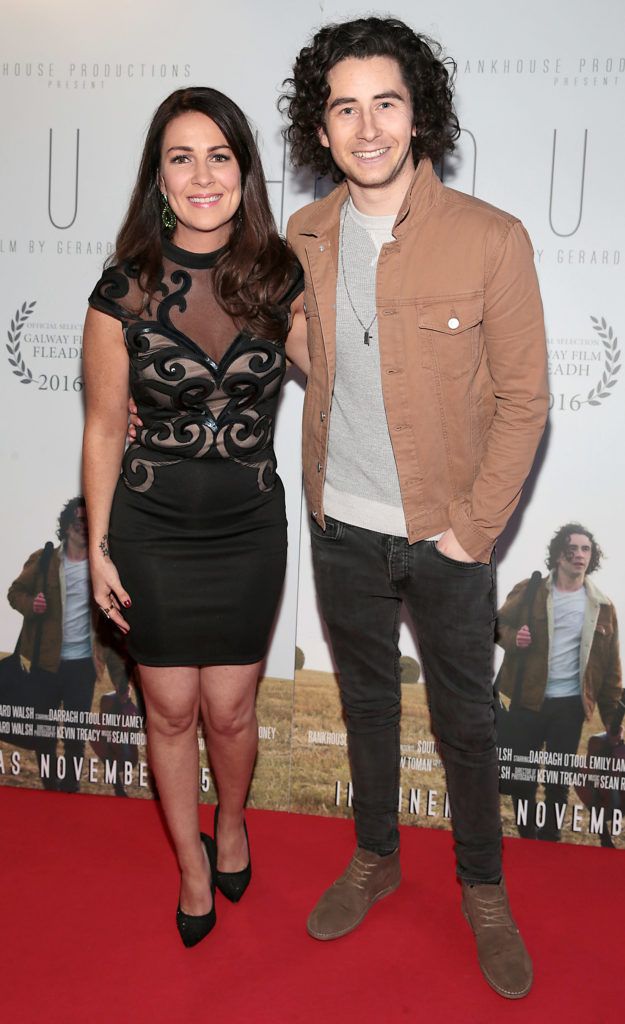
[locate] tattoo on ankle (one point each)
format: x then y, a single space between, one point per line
104 545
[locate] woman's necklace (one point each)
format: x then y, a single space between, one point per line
367 330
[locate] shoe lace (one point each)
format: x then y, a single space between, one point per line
492 913
358 872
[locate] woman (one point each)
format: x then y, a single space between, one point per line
190 541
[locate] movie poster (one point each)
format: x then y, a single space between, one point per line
574 796
549 163
71 717
102 749
538 115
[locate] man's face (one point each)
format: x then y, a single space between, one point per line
368 121
78 526
575 559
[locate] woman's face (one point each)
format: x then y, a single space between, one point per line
200 176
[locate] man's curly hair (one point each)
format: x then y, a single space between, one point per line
428 78
560 541
67 515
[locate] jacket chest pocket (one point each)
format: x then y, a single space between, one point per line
603 632
448 329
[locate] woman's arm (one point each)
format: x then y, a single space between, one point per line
296 343
105 366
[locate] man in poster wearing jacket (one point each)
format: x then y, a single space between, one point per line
570 664
425 403
62 603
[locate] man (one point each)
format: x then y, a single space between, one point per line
425 403
62 603
570 663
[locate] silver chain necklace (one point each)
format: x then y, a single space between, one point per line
367 330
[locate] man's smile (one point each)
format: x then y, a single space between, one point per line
371 154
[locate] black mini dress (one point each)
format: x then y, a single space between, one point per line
198 525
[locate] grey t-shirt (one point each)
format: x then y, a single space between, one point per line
362 485
77 613
569 607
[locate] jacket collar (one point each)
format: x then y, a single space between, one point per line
592 591
425 190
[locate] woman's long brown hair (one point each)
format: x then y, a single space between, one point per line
257 267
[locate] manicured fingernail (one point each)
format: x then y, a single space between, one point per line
127 603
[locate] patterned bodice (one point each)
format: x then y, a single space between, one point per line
203 387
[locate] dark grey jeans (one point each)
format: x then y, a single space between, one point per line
362 579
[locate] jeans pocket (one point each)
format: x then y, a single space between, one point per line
333 531
453 561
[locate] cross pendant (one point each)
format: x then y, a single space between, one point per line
367 336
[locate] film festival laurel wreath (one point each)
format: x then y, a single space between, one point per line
14 334
611 355
597 394
19 364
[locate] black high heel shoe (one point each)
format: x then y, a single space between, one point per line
233 883
192 928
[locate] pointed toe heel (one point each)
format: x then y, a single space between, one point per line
232 884
192 928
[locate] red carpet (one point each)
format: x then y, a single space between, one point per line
89 890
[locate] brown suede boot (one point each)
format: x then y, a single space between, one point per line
342 907
501 952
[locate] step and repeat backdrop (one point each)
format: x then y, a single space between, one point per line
540 99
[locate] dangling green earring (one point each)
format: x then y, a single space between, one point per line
167 214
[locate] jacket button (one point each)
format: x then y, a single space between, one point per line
315 514
453 322
322 248
322 415
318 467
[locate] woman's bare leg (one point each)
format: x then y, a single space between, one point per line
172 700
228 699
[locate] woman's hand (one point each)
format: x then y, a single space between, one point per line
134 421
108 591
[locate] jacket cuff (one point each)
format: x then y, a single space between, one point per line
474 542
